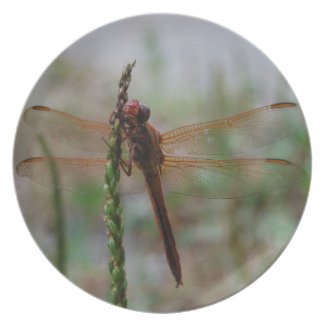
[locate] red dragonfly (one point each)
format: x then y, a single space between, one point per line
170 160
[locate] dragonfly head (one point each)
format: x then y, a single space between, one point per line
134 111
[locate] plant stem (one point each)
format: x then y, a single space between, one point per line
113 209
60 260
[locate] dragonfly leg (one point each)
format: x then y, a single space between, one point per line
127 165
124 166
106 142
108 145
128 171
112 117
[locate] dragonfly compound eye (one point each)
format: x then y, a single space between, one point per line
144 114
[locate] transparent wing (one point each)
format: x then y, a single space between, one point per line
232 135
79 175
228 178
83 134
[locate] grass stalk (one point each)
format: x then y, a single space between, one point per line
112 208
60 259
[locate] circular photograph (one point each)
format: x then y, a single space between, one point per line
162 163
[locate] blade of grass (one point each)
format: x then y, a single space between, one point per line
60 259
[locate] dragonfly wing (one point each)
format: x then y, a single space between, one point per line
228 178
79 175
64 127
236 134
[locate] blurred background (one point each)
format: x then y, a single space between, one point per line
187 71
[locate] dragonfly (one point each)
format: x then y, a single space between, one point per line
170 161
